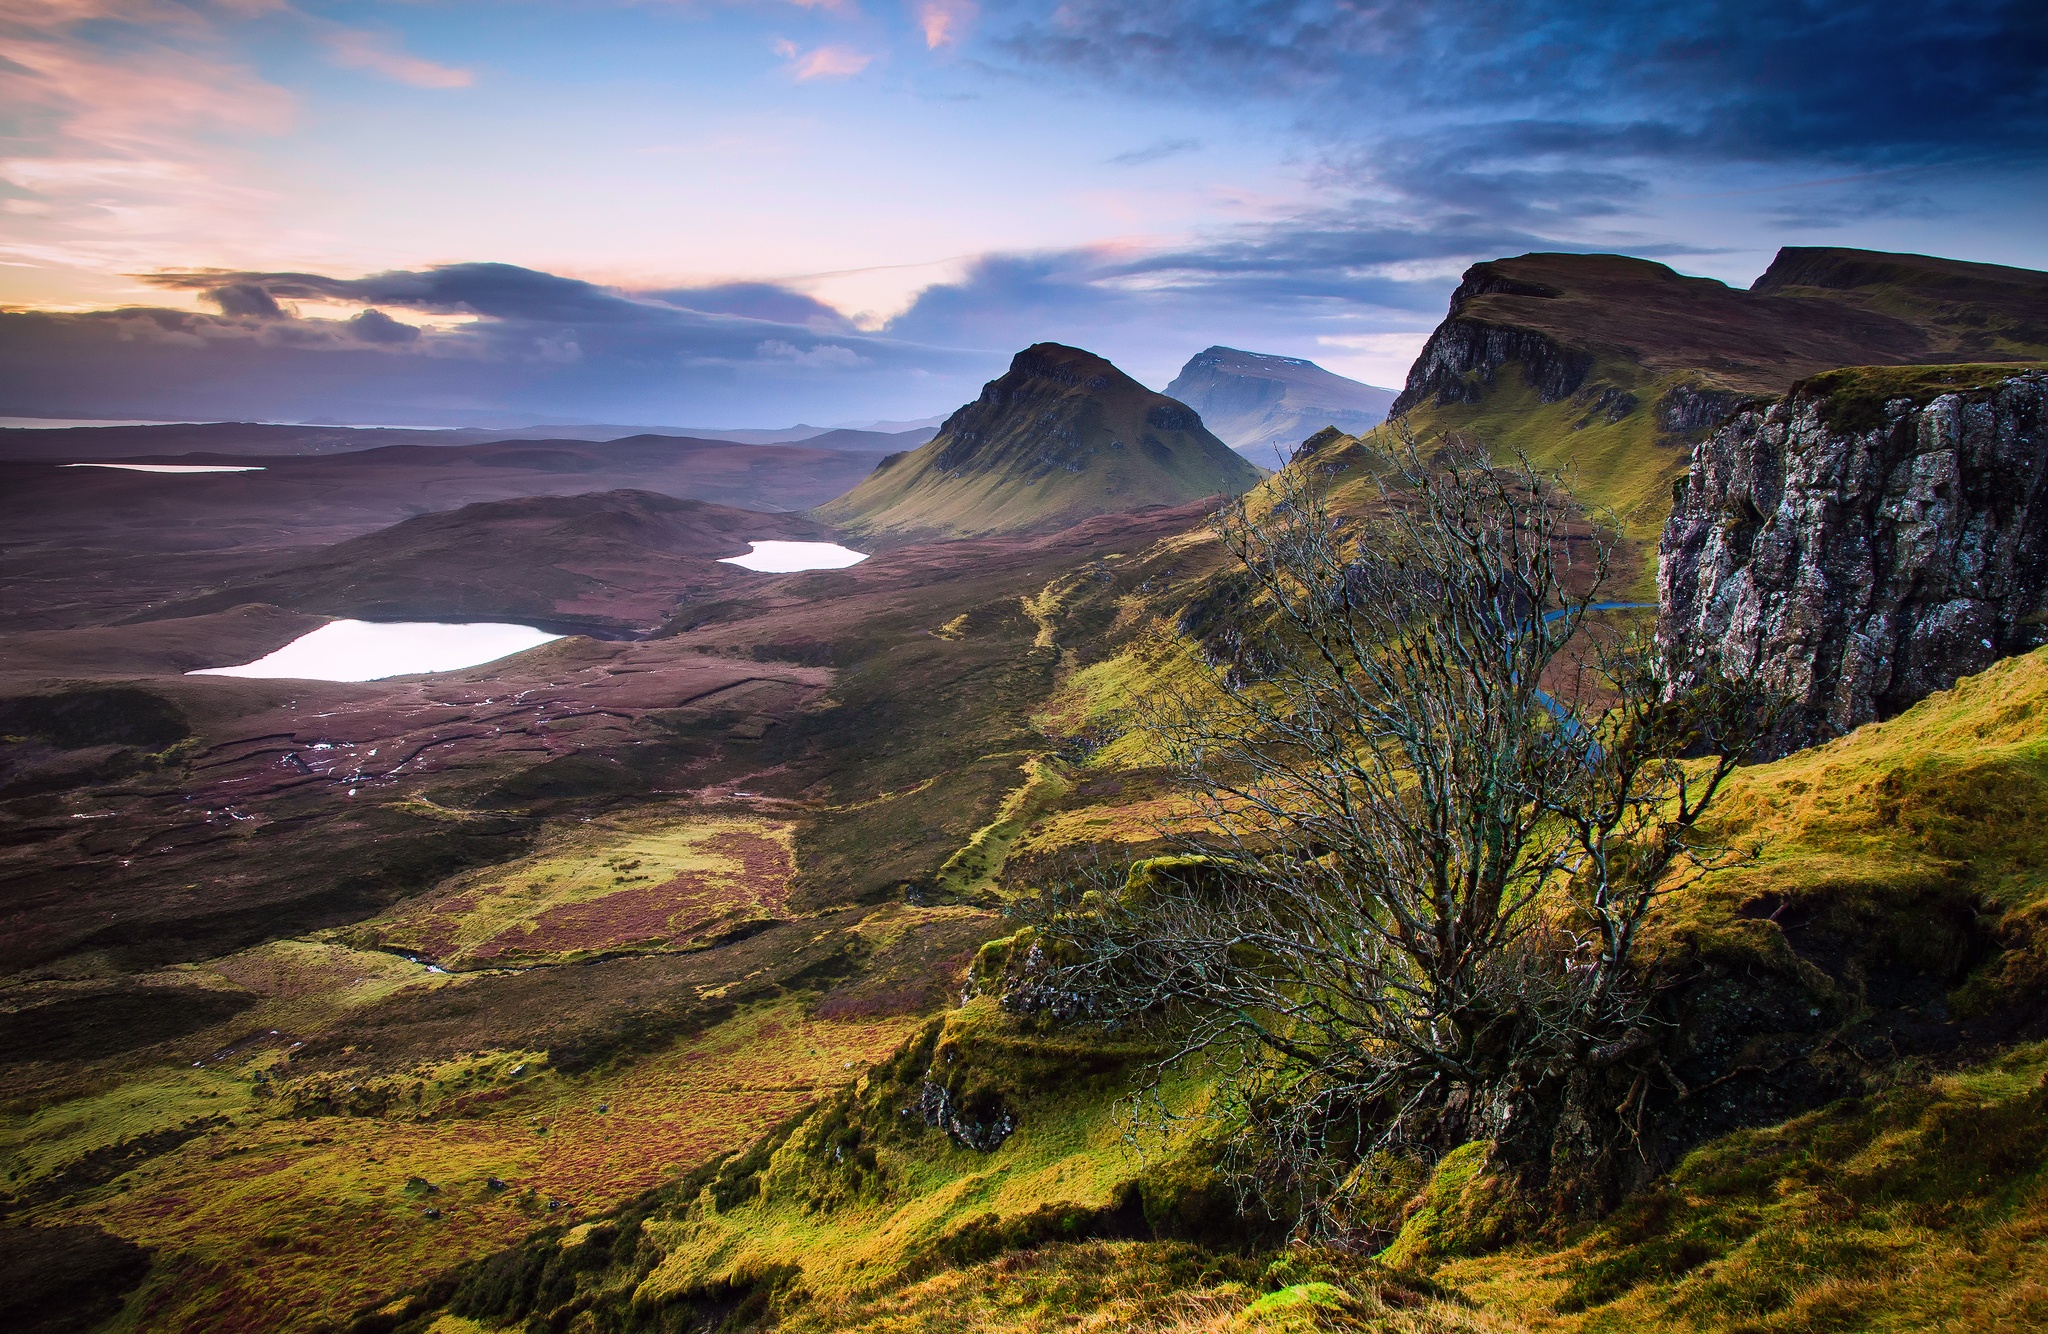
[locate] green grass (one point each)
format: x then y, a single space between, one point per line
302 1197
1854 397
1924 1208
1917 839
674 881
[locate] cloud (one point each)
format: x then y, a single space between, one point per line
353 49
1165 148
944 22
1547 107
535 346
761 301
374 326
824 62
245 299
122 110
821 355
1276 287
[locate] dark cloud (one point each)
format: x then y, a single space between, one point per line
1279 286
502 291
759 301
1562 107
374 326
247 299
537 347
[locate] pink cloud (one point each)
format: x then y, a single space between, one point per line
944 21
367 51
132 140
825 62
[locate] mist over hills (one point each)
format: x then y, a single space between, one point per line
108 443
1062 436
1262 406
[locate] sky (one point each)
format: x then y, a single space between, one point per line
756 212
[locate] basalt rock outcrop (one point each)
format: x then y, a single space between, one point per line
1863 542
1463 354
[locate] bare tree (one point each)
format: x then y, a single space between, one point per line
1438 803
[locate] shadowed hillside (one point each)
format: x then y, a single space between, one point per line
607 563
1062 436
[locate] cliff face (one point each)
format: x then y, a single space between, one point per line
1463 353
1865 541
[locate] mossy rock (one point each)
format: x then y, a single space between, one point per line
1854 398
1465 1209
1299 1307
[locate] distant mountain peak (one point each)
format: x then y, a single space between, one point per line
1262 404
1062 435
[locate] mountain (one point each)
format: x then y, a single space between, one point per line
1586 323
663 981
1260 404
1616 366
1061 436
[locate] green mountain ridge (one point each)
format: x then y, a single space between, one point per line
1062 436
1614 367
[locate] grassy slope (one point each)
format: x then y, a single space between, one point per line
926 769
1920 1205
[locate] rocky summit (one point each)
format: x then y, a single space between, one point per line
1865 541
1062 436
1263 406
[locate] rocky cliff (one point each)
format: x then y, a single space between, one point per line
1865 541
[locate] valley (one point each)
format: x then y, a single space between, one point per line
688 967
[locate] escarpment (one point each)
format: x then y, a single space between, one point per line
1464 353
1864 542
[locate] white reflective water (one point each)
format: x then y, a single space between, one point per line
164 467
789 557
372 650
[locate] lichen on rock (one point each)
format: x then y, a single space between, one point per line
1855 568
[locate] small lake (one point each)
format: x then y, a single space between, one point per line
165 467
790 557
372 650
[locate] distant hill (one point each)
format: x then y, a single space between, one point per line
1061 436
84 545
870 442
1259 404
606 563
282 440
